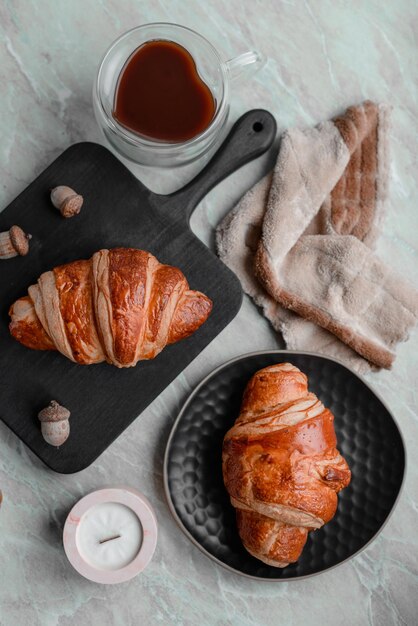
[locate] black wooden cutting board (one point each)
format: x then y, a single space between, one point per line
118 211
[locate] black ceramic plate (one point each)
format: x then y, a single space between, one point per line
368 437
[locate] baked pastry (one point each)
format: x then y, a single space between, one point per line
281 466
121 306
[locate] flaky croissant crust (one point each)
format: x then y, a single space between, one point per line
281 466
120 306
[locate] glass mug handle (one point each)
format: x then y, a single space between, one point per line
245 65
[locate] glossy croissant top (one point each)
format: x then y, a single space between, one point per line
120 306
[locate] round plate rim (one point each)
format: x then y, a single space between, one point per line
180 415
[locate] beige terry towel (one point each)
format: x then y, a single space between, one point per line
301 243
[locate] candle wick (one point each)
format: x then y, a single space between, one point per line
110 539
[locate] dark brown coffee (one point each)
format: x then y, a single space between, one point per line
160 94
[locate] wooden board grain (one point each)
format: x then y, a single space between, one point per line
118 211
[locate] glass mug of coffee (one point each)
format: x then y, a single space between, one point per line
161 95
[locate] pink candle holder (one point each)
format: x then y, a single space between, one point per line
110 535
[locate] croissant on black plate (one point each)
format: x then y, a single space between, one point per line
281 466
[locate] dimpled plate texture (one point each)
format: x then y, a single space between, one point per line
367 437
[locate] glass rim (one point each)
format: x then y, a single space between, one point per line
139 140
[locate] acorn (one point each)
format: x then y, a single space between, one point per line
55 425
14 242
66 200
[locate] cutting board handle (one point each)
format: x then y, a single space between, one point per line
250 137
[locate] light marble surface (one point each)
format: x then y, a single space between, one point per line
323 56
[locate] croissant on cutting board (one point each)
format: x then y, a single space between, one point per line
281 466
120 306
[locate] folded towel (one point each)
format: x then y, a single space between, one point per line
301 242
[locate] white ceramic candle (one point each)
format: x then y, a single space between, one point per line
110 535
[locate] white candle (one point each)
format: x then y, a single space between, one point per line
109 536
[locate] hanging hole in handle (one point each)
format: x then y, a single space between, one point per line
258 127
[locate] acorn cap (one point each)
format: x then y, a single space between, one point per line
54 412
19 239
72 206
